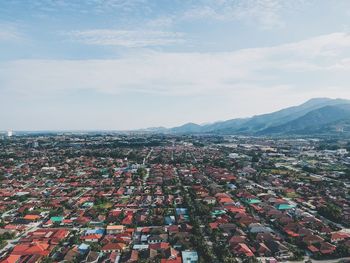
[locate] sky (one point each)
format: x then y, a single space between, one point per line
129 64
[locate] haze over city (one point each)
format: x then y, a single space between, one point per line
117 65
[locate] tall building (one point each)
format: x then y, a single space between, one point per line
9 133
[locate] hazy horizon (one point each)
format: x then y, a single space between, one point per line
159 126
134 64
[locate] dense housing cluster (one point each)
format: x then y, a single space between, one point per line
173 199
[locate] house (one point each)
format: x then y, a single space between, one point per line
174 260
159 246
312 239
262 250
181 211
11 259
189 256
262 237
115 229
29 252
258 228
111 247
231 186
278 249
32 218
134 256
91 237
138 247
67 222
285 206
169 220
171 255
210 200
228 229
56 219
339 236
128 220
71 254
235 240
92 257
324 248
327 248
51 235
98 231
241 249
173 229
251 200
83 248
157 238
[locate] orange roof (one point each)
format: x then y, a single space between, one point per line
176 260
161 245
62 233
291 233
130 230
313 248
340 236
11 259
92 236
114 246
234 209
31 217
225 200
39 248
243 248
213 225
127 220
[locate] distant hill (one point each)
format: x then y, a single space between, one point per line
187 128
316 116
313 121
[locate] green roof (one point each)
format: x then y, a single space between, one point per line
218 212
87 204
56 218
285 206
253 201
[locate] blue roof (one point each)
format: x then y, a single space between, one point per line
83 246
181 211
169 220
189 257
94 231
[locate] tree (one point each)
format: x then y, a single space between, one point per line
47 260
331 211
142 172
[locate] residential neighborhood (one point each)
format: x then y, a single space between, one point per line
173 198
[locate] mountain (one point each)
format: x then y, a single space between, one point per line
314 116
187 128
313 121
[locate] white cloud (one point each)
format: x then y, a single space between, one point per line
9 32
126 38
309 66
87 6
267 14
161 22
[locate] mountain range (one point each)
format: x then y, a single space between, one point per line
316 116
